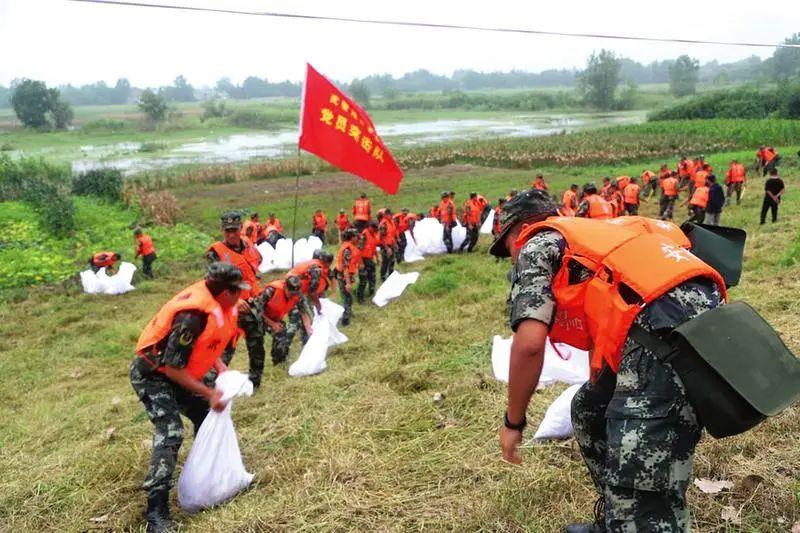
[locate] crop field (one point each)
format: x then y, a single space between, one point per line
362 447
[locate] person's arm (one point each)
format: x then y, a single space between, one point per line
185 380
212 256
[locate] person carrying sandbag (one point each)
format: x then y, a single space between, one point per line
175 351
657 376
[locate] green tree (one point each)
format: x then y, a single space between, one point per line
153 105
360 92
786 61
599 81
683 74
36 106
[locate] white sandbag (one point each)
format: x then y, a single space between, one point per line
571 367
214 472
486 228
459 236
333 312
324 334
283 254
557 422
90 283
393 287
411 254
501 357
267 257
102 283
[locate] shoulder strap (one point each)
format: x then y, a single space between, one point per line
653 342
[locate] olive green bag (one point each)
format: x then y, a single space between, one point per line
736 369
720 247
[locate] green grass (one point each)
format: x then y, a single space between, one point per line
362 446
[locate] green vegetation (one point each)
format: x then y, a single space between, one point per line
743 102
153 105
683 75
362 446
36 106
103 183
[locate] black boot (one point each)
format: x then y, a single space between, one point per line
157 514
599 524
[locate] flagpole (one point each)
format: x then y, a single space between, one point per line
296 194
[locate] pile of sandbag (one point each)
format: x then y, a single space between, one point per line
214 471
393 287
279 257
325 334
102 283
428 233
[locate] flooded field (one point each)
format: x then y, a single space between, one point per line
132 157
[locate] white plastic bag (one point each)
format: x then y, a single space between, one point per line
102 283
267 257
393 287
571 367
501 357
325 334
214 472
486 228
411 254
557 422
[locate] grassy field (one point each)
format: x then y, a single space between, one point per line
362 446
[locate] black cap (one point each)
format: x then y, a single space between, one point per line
444 194
137 231
227 275
524 206
349 233
254 215
293 283
590 188
324 256
231 220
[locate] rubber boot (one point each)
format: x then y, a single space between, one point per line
157 514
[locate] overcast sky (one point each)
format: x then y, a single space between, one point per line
64 42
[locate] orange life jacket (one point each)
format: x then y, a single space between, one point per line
252 227
388 225
647 176
664 174
699 178
496 222
400 221
371 242
144 245
768 155
599 208
472 212
736 173
279 305
631 194
342 221
593 315
622 182
362 210
247 262
355 258
221 328
303 271
670 187
443 211
569 200
482 202
320 222
700 197
274 225
103 259
539 184
685 168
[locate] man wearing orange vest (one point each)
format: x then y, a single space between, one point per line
631 197
272 305
685 171
767 158
241 253
145 249
593 205
362 212
400 221
605 190
649 183
669 195
253 230
472 220
539 183
697 204
342 223
735 180
698 180
348 263
368 243
388 243
319 224
569 201
622 182
633 422
175 351
314 279
447 217
105 260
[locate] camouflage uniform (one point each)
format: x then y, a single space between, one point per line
666 206
366 277
636 429
387 254
447 235
164 401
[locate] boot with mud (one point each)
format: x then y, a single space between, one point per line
598 526
157 514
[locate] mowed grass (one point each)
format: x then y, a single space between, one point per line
362 446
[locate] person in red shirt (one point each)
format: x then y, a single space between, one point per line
319 223
342 223
145 249
472 221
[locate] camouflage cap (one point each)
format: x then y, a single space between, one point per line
523 207
293 283
226 274
231 220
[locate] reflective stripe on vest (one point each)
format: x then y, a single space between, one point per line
221 328
592 314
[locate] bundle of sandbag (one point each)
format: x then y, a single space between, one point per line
279 257
325 333
102 283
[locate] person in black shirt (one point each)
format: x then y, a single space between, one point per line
773 190
716 199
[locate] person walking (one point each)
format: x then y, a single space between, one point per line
697 204
362 212
735 180
348 263
633 422
388 244
145 249
319 224
773 190
368 243
716 201
631 197
447 217
670 187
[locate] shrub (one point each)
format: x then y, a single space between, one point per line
104 124
101 182
254 118
157 207
148 147
743 102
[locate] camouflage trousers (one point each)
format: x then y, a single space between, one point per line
387 261
347 296
295 324
472 238
164 402
253 329
666 207
401 247
447 236
637 433
366 280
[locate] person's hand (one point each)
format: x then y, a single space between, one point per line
510 440
243 306
277 327
215 401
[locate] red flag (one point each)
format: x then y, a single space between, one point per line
335 128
